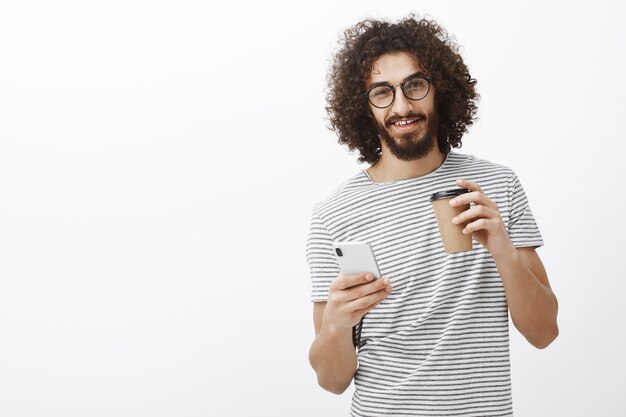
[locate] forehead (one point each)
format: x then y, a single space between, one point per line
393 67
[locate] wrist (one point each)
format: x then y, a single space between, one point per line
505 251
332 331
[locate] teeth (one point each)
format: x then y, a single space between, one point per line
404 122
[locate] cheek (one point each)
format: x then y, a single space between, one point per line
378 116
432 102
427 105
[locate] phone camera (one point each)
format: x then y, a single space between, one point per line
339 253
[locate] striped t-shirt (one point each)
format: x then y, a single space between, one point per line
439 344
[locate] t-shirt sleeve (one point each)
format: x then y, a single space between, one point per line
522 228
321 260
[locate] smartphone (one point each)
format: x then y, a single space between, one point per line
356 257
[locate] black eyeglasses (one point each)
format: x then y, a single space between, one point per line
383 95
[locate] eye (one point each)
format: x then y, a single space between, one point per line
415 83
381 91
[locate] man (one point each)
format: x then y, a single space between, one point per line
434 330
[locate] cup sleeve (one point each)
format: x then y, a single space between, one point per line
321 260
522 227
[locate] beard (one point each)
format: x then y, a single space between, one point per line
411 146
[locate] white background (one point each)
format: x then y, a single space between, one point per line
159 162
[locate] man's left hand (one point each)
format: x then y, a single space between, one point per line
482 220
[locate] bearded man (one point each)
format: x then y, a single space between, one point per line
430 337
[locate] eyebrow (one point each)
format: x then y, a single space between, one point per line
378 84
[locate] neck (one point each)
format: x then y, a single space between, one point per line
389 168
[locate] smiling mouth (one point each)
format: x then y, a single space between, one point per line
405 122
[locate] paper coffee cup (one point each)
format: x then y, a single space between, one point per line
452 234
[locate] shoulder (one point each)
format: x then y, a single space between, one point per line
473 162
481 170
497 180
353 185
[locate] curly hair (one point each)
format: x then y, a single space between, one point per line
438 55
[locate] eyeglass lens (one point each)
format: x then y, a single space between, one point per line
414 89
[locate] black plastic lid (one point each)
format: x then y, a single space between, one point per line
448 194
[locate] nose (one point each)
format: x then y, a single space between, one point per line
401 105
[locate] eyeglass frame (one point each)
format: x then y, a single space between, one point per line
393 88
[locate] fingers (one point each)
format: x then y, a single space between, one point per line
343 282
483 215
358 292
363 288
346 306
478 218
479 224
367 289
368 302
470 185
476 196
474 212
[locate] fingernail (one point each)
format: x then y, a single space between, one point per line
386 281
455 220
369 277
452 202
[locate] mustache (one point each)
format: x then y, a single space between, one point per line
391 120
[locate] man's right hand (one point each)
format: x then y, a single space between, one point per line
351 297
332 353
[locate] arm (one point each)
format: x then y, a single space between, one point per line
332 355
532 304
